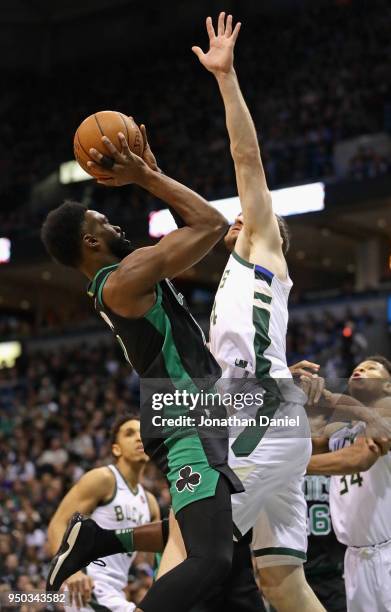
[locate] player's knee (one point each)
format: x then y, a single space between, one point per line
276 583
218 566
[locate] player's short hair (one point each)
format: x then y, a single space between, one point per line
61 232
119 421
382 360
285 234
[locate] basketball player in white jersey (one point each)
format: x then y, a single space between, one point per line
115 499
360 499
247 337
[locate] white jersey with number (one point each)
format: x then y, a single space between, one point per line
360 504
126 509
249 321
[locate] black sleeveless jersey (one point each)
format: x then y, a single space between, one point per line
168 350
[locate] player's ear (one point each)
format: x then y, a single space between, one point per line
387 387
90 241
115 449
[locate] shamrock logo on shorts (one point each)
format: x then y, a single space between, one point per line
187 479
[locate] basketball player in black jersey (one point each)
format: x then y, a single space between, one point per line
161 340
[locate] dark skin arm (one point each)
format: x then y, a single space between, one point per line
130 290
358 457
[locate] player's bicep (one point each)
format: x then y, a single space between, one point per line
174 254
85 495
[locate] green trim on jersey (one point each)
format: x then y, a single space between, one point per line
261 296
100 300
241 260
278 550
135 491
184 445
92 286
262 341
175 368
114 492
250 437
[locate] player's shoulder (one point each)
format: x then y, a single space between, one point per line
102 478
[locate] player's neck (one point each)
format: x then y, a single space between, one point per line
130 472
90 268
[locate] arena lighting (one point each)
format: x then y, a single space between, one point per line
289 201
5 250
9 352
71 172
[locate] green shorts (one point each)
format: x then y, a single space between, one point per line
190 476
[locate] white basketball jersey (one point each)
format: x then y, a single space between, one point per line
126 509
249 321
360 504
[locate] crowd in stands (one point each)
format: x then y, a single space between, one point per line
56 411
308 87
337 342
367 163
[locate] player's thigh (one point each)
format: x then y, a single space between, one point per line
174 552
270 468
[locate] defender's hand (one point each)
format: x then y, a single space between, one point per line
304 368
220 57
313 386
127 167
80 587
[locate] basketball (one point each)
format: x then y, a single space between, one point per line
105 123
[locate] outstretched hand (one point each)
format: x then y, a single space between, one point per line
125 167
220 57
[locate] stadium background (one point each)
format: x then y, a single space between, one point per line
317 80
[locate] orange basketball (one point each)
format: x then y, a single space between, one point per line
105 123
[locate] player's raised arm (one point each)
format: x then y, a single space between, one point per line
203 227
259 220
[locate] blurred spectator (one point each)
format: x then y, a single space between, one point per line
366 163
326 81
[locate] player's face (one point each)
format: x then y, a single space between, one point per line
111 238
232 235
129 443
368 380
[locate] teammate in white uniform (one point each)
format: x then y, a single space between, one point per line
115 499
361 505
360 491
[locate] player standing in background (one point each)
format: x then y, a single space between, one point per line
164 343
114 498
248 338
360 501
324 565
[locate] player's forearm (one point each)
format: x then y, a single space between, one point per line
240 126
342 462
193 209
